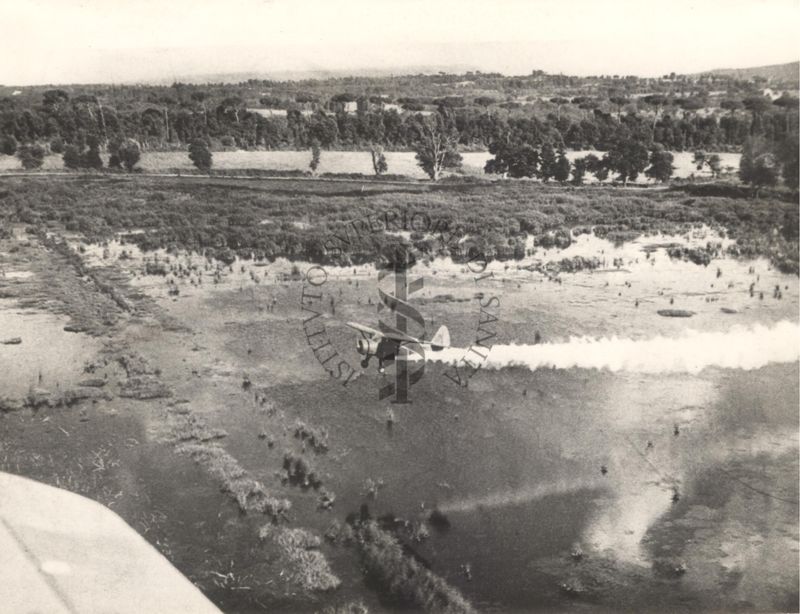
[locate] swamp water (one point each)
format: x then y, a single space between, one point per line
560 486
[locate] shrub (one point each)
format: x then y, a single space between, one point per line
57 145
128 154
31 156
315 156
379 164
404 577
91 157
200 154
310 568
72 157
249 493
8 145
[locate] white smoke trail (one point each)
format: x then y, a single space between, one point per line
738 348
522 495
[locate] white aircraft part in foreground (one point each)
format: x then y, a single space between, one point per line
62 553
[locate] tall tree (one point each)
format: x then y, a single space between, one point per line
129 154
323 129
789 104
758 165
757 105
72 157
699 159
91 157
315 157
561 171
619 102
200 154
8 145
657 101
31 156
513 159
436 145
660 168
790 161
714 163
200 98
578 171
378 160
627 158
559 102
597 167
547 165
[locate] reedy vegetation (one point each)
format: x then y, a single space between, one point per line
230 218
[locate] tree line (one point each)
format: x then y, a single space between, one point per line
580 122
523 145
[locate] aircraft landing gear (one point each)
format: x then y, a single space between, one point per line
365 363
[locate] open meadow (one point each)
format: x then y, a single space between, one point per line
339 162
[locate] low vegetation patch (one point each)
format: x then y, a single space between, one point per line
249 493
301 547
403 576
315 437
300 472
188 427
249 219
698 255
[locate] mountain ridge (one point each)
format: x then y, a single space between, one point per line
788 71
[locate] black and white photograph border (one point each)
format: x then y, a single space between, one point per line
366 307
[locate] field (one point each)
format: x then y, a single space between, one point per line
400 163
183 386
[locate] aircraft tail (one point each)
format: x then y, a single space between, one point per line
441 339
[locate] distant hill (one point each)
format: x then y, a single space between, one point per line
774 72
304 75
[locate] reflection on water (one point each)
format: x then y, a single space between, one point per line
47 357
634 467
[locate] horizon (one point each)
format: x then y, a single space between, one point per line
286 76
144 43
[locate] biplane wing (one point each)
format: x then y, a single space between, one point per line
377 334
364 330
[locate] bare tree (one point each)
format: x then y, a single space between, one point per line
378 160
436 146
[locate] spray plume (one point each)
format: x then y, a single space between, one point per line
738 348
521 495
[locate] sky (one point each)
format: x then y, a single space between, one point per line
92 41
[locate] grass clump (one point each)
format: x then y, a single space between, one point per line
249 493
316 437
300 472
352 607
697 255
311 569
189 427
403 576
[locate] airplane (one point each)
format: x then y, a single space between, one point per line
65 554
387 346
